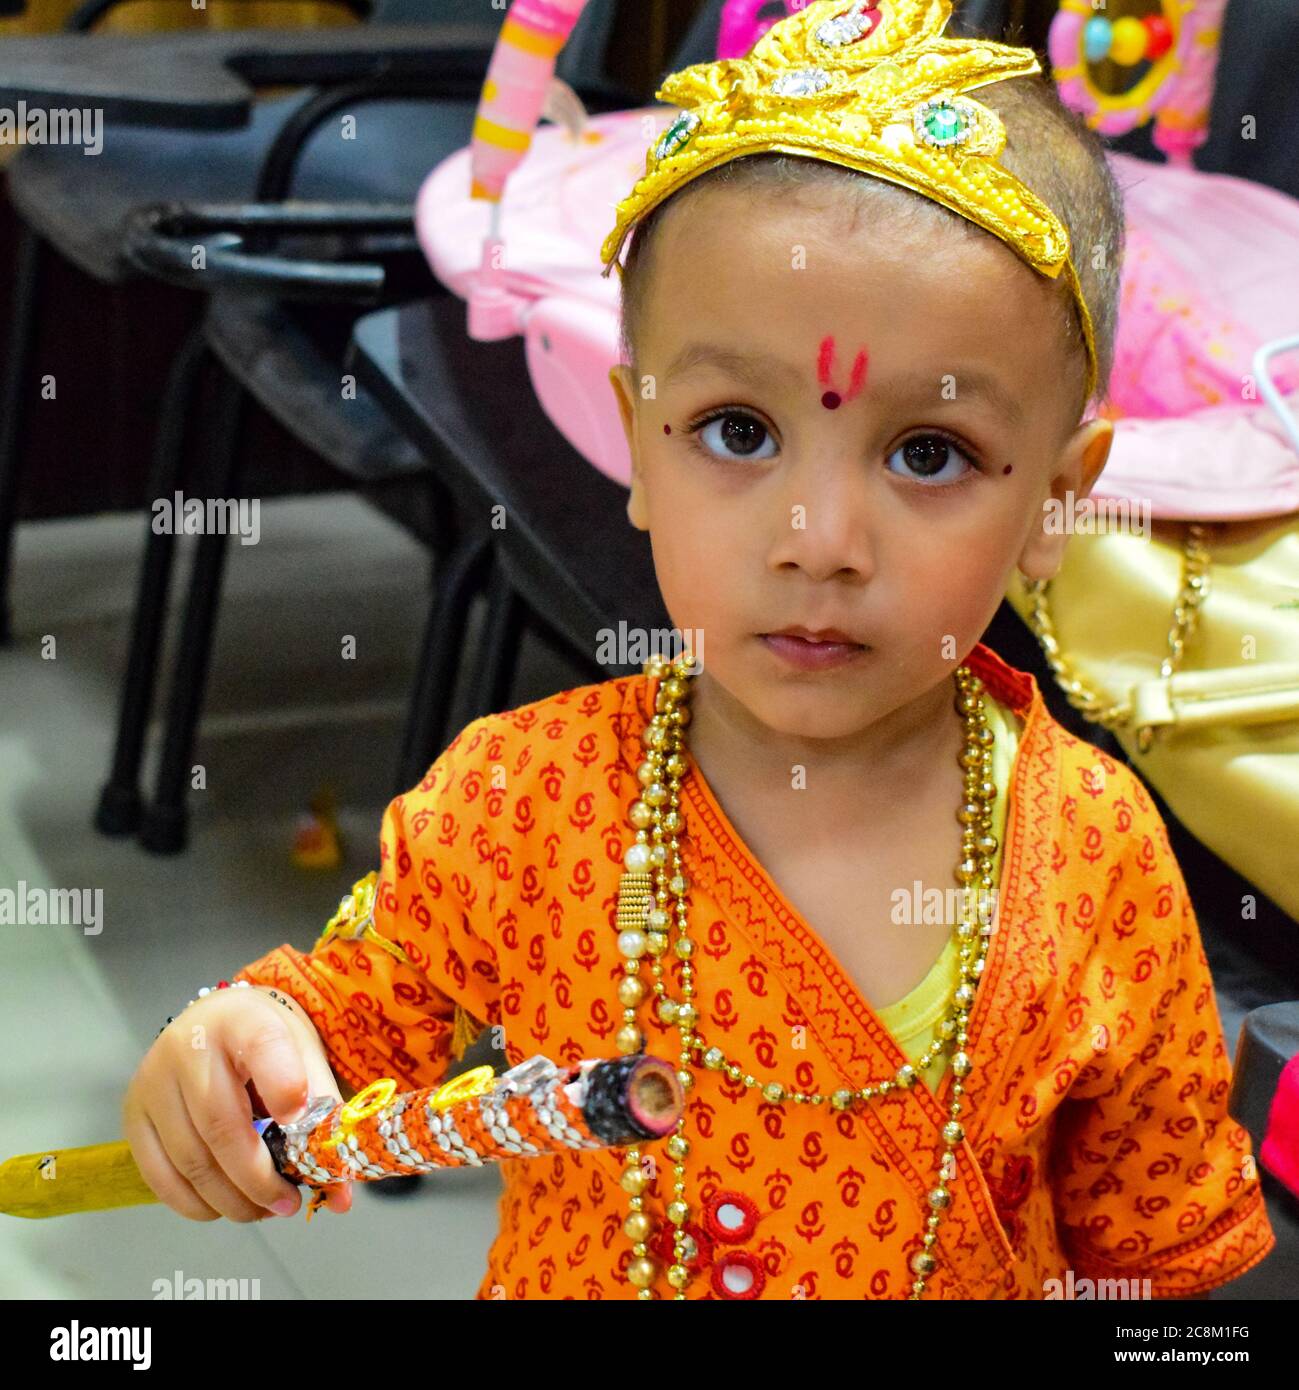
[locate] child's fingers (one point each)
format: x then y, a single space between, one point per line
157 1169
218 1103
340 1198
185 1122
287 1066
263 1048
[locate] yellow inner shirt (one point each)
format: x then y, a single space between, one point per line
914 1018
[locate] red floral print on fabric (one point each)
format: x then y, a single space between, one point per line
1010 1193
1097 1050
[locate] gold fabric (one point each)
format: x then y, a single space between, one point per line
1226 751
464 1033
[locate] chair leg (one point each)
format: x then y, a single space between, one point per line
493 675
13 404
458 576
163 829
119 800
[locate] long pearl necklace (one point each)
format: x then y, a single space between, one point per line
654 876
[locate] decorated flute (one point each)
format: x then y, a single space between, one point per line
534 1109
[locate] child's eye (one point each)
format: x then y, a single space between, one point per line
732 434
928 458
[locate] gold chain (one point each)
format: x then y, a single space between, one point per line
1196 560
643 919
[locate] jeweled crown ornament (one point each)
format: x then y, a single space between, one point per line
872 87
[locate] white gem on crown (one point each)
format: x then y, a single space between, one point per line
803 82
845 28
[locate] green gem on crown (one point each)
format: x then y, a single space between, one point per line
941 121
677 136
944 123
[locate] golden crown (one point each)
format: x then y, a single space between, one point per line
874 87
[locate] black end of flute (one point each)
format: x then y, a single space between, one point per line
630 1098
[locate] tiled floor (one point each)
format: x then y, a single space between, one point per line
285 715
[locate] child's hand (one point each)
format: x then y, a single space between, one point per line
186 1113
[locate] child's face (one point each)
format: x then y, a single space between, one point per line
853 475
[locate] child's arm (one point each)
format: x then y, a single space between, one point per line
384 993
393 982
1152 1178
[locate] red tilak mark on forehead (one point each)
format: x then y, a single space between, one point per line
825 364
1007 468
824 361
667 429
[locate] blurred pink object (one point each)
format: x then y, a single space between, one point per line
514 94
1211 270
514 90
555 215
1279 1152
741 28
1211 276
1184 437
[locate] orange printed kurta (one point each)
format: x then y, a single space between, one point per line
1097 1135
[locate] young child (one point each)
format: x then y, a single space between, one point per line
859 357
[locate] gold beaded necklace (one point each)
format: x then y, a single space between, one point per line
654 875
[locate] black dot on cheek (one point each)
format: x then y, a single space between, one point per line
667 429
831 400
1006 469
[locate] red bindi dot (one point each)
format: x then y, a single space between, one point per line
1006 469
667 429
831 400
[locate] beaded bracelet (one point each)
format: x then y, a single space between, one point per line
206 990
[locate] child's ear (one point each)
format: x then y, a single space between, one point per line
1092 444
620 378
1076 471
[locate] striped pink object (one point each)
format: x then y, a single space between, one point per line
514 91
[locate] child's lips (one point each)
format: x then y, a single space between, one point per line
809 655
825 634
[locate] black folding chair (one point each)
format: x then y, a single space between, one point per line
405 125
